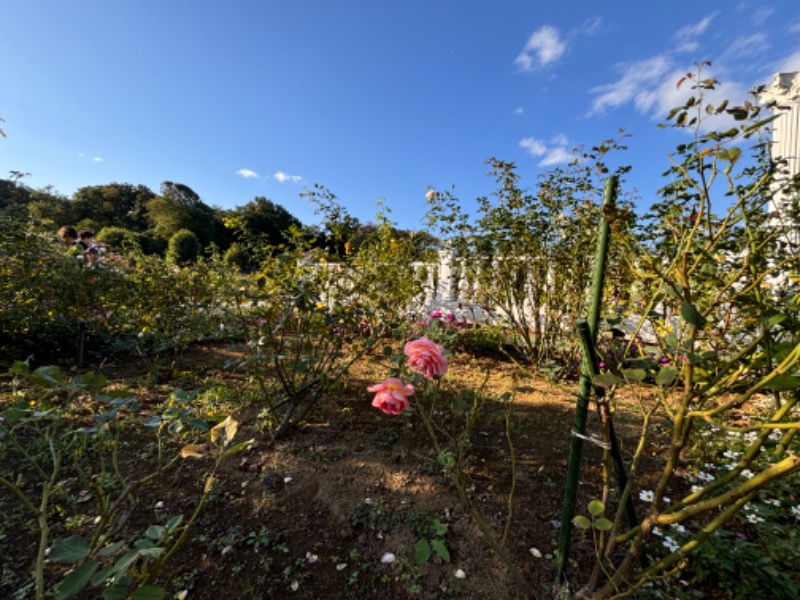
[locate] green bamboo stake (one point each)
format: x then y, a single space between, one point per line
585 383
588 350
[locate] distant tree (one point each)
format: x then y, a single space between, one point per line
48 205
240 256
118 238
112 205
179 207
262 220
184 248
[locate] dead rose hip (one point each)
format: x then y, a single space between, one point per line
426 357
391 396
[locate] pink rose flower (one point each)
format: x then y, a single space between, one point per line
426 357
391 396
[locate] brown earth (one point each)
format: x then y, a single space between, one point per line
311 515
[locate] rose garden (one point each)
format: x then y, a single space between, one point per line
608 408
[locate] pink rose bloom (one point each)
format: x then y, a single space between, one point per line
391 396
426 357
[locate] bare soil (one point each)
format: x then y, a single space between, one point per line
311 515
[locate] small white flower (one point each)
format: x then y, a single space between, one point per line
796 511
657 531
667 500
459 574
678 527
670 544
536 552
646 496
772 501
731 454
287 479
751 436
227 550
696 488
754 518
295 586
159 505
703 476
311 558
388 558
775 434
341 566
746 473
182 595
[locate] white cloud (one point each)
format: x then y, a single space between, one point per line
283 177
552 153
790 64
543 47
685 37
97 159
247 174
794 27
637 84
692 31
519 111
589 27
745 47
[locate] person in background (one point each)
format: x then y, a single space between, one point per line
91 247
70 236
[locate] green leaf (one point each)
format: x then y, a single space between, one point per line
691 315
69 550
783 383
422 552
441 550
666 376
76 580
730 154
582 522
155 532
149 592
102 575
119 589
606 380
634 374
603 524
49 376
173 523
111 549
596 508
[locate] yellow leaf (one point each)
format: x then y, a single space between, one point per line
195 450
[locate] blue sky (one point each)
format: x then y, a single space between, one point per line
370 98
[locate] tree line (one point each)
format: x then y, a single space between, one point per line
134 216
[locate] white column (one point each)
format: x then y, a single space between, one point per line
785 91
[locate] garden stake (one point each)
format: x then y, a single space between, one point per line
585 384
587 347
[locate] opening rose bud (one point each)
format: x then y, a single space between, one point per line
391 396
426 357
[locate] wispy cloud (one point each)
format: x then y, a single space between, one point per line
686 37
284 177
248 174
547 44
551 153
794 27
97 159
543 47
637 84
790 64
519 111
649 84
692 31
